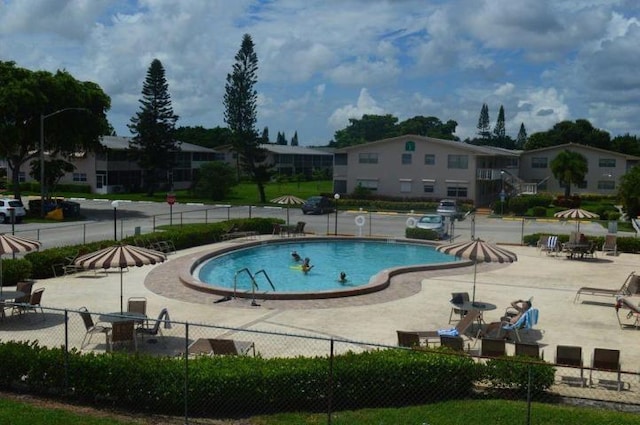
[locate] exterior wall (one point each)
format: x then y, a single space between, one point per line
604 169
393 178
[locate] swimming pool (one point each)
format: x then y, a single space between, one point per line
368 264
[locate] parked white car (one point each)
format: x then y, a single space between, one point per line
5 210
433 222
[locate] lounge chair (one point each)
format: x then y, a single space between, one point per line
526 321
154 330
33 304
461 329
493 347
630 286
607 360
408 339
456 343
633 312
91 327
570 356
218 346
552 245
457 298
528 349
610 244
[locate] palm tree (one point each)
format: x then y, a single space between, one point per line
569 168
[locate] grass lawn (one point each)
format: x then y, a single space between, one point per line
445 413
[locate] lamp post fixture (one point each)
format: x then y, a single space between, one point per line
502 194
42 118
115 205
335 230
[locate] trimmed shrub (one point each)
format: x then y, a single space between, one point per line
519 205
539 211
424 234
13 271
518 375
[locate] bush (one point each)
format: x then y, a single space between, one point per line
519 205
424 234
572 202
14 271
539 211
518 375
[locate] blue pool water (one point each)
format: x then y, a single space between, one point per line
360 260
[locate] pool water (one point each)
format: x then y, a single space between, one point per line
360 260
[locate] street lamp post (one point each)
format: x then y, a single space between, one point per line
115 205
335 230
42 118
502 194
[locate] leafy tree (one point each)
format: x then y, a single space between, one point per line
521 140
626 144
54 170
215 181
499 130
206 137
240 101
483 122
581 131
74 114
629 191
294 140
367 129
429 126
569 168
265 135
154 143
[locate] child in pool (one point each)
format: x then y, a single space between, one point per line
306 266
343 277
296 256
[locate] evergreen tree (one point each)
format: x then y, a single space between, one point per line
265 135
483 122
281 139
499 129
522 137
154 144
294 141
240 101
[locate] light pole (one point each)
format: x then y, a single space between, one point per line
115 205
502 194
335 230
42 118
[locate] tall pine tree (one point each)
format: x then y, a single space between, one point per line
499 129
240 101
483 122
265 135
294 140
154 145
522 137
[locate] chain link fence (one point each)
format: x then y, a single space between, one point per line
198 348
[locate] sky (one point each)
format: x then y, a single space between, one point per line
322 62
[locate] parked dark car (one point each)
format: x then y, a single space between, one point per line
318 205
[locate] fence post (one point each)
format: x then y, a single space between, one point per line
186 373
330 389
66 350
370 224
529 394
84 234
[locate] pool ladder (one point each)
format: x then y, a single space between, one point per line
254 284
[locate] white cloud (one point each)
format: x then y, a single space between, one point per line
364 105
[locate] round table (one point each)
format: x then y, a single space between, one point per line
476 305
11 295
121 317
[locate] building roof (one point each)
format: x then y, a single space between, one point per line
580 146
473 149
294 150
122 143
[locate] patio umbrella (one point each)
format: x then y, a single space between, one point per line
478 251
120 256
578 214
288 200
12 243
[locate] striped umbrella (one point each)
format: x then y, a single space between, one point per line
577 213
288 200
12 243
478 251
120 256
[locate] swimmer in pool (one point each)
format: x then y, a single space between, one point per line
296 257
343 277
306 267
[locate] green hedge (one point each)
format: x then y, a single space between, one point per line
47 263
13 271
424 234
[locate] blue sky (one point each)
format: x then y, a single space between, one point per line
323 62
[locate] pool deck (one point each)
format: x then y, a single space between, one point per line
414 301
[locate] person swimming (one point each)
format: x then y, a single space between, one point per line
296 256
343 277
306 266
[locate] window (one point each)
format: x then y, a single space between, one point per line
79 177
428 187
368 184
456 191
538 162
368 158
406 159
410 146
405 186
606 185
429 159
582 185
607 163
340 159
458 161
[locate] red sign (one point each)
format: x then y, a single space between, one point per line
171 198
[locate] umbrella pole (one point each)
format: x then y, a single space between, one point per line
287 215
121 310
473 298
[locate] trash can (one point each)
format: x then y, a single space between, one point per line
70 209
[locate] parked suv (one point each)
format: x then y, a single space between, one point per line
318 205
448 208
5 212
